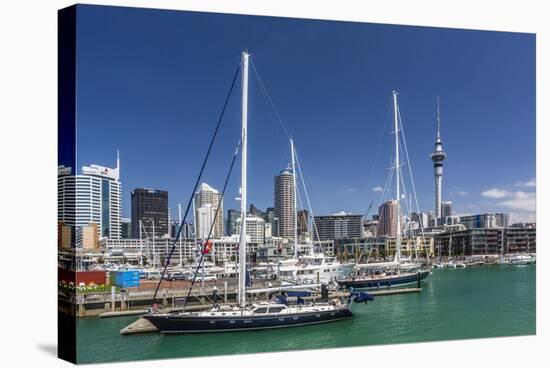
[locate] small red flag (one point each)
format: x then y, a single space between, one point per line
207 248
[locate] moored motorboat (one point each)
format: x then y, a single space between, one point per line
520 259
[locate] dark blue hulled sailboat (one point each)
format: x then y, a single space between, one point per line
385 278
395 273
246 316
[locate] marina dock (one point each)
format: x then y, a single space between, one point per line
123 313
140 326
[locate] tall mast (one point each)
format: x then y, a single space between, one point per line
154 246
140 246
397 179
242 244
295 202
181 235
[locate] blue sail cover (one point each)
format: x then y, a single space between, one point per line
292 293
361 296
281 299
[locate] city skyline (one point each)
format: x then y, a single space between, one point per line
162 131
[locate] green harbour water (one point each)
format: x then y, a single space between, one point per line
487 301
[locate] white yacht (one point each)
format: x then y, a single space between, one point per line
520 259
313 268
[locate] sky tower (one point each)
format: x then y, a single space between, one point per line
438 156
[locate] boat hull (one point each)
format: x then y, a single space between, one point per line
173 323
384 282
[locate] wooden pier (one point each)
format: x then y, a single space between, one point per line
140 326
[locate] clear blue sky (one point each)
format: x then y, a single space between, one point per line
151 83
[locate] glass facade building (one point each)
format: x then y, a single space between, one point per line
150 208
93 197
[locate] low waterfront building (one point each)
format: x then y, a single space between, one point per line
485 241
150 251
520 239
383 247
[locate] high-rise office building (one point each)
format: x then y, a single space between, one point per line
421 218
269 218
93 197
431 218
186 233
255 211
204 220
90 239
446 209
210 200
63 236
255 228
284 204
231 226
387 215
370 227
125 228
502 219
150 208
485 220
338 226
268 233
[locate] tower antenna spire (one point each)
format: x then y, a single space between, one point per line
438 120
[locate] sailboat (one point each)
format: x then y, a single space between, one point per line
245 315
394 273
